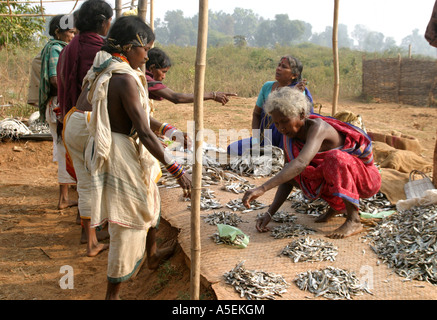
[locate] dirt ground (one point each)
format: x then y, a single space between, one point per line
37 240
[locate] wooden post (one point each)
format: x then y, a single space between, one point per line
336 64
434 169
142 13
142 9
200 66
152 18
118 9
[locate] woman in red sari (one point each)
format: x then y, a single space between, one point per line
326 158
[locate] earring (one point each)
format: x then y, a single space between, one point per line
127 48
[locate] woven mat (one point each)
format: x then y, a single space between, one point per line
262 253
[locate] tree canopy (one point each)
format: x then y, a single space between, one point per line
245 28
19 30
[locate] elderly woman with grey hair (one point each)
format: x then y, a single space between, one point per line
325 157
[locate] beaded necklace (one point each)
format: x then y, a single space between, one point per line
120 57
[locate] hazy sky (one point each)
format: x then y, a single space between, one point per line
394 18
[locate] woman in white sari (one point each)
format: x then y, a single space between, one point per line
123 151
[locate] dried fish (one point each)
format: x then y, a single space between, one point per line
331 283
238 240
254 284
310 250
13 129
237 205
266 162
317 207
291 230
407 242
306 206
238 187
375 204
207 201
224 217
281 217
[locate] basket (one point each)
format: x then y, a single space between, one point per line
416 188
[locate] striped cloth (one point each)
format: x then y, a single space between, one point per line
347 173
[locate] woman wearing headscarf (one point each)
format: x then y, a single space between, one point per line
61 34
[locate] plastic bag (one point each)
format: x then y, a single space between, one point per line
234 235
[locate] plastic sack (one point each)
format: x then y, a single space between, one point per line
235 235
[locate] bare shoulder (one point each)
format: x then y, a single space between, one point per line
317 124
328 134
122 81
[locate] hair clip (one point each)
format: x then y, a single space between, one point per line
141 40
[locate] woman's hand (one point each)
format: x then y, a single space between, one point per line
180 136
251 195
222 97
262 222
185 183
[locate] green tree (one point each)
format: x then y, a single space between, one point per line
181 31
245 24
418 44
20 30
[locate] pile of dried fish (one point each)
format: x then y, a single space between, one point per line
208 204
281 217
36 125
238 187
331 283
375 204
238 240
310 250
223 217
407 242
304 205
237 205
218 174
255 285
13 129
268 161
291 230
207 201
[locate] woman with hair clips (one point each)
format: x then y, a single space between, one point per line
93 22
48 100
288 74
123 152
156 68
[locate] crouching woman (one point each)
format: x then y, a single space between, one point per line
325 158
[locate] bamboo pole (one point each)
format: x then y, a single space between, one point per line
434 168
152 18
202 38
336 63
142 9
118 8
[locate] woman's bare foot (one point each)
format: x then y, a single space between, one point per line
347 229
161 255
96 249
328 215
64 204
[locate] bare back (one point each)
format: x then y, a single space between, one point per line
318 136
123 103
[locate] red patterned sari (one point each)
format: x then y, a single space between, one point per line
346 173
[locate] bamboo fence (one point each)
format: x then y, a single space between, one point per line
404 81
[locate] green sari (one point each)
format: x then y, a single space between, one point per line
49 59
